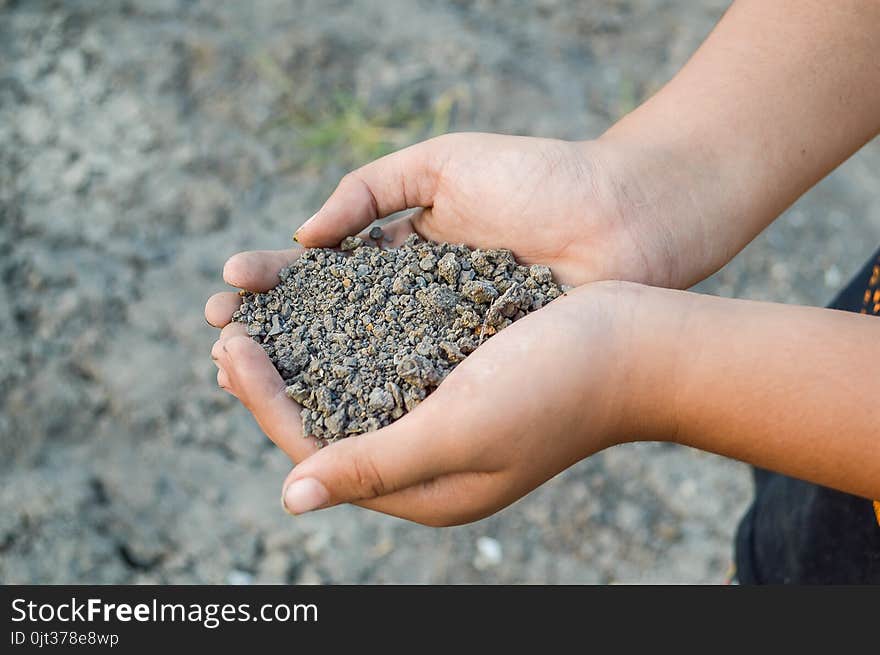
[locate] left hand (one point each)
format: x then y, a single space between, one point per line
546 392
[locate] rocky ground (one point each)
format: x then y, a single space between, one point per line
141 143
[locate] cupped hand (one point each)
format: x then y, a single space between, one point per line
532 400
581 208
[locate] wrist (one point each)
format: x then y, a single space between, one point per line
641 358
664 201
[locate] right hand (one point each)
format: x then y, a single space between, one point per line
580 208
557 386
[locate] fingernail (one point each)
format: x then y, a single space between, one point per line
311 218
304 496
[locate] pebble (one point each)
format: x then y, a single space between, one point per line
381 399
239 577
489 553
540 274
479 291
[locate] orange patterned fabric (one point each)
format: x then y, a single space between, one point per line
871 300
871 305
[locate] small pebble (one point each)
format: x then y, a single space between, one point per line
239 577
489 553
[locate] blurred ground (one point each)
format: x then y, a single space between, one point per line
143 142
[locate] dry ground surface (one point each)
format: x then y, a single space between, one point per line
141 143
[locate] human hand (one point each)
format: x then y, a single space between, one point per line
581 208
551 389
607 362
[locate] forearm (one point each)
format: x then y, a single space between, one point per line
791 389
778 95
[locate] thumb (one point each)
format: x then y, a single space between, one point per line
371 465
402 180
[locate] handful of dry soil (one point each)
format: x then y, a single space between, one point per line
363 334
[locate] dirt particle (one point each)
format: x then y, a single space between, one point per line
479 291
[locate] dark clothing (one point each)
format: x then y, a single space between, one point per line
802 533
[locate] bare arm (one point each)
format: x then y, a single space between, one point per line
779 95
791 389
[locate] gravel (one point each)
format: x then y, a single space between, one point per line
361 335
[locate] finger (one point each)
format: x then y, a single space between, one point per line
404 179
235 329
412 450
257 270
260 388
220 307
453 499
218 350
223 382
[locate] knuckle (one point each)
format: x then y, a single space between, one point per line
236 346
352 178
367 477
356 180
